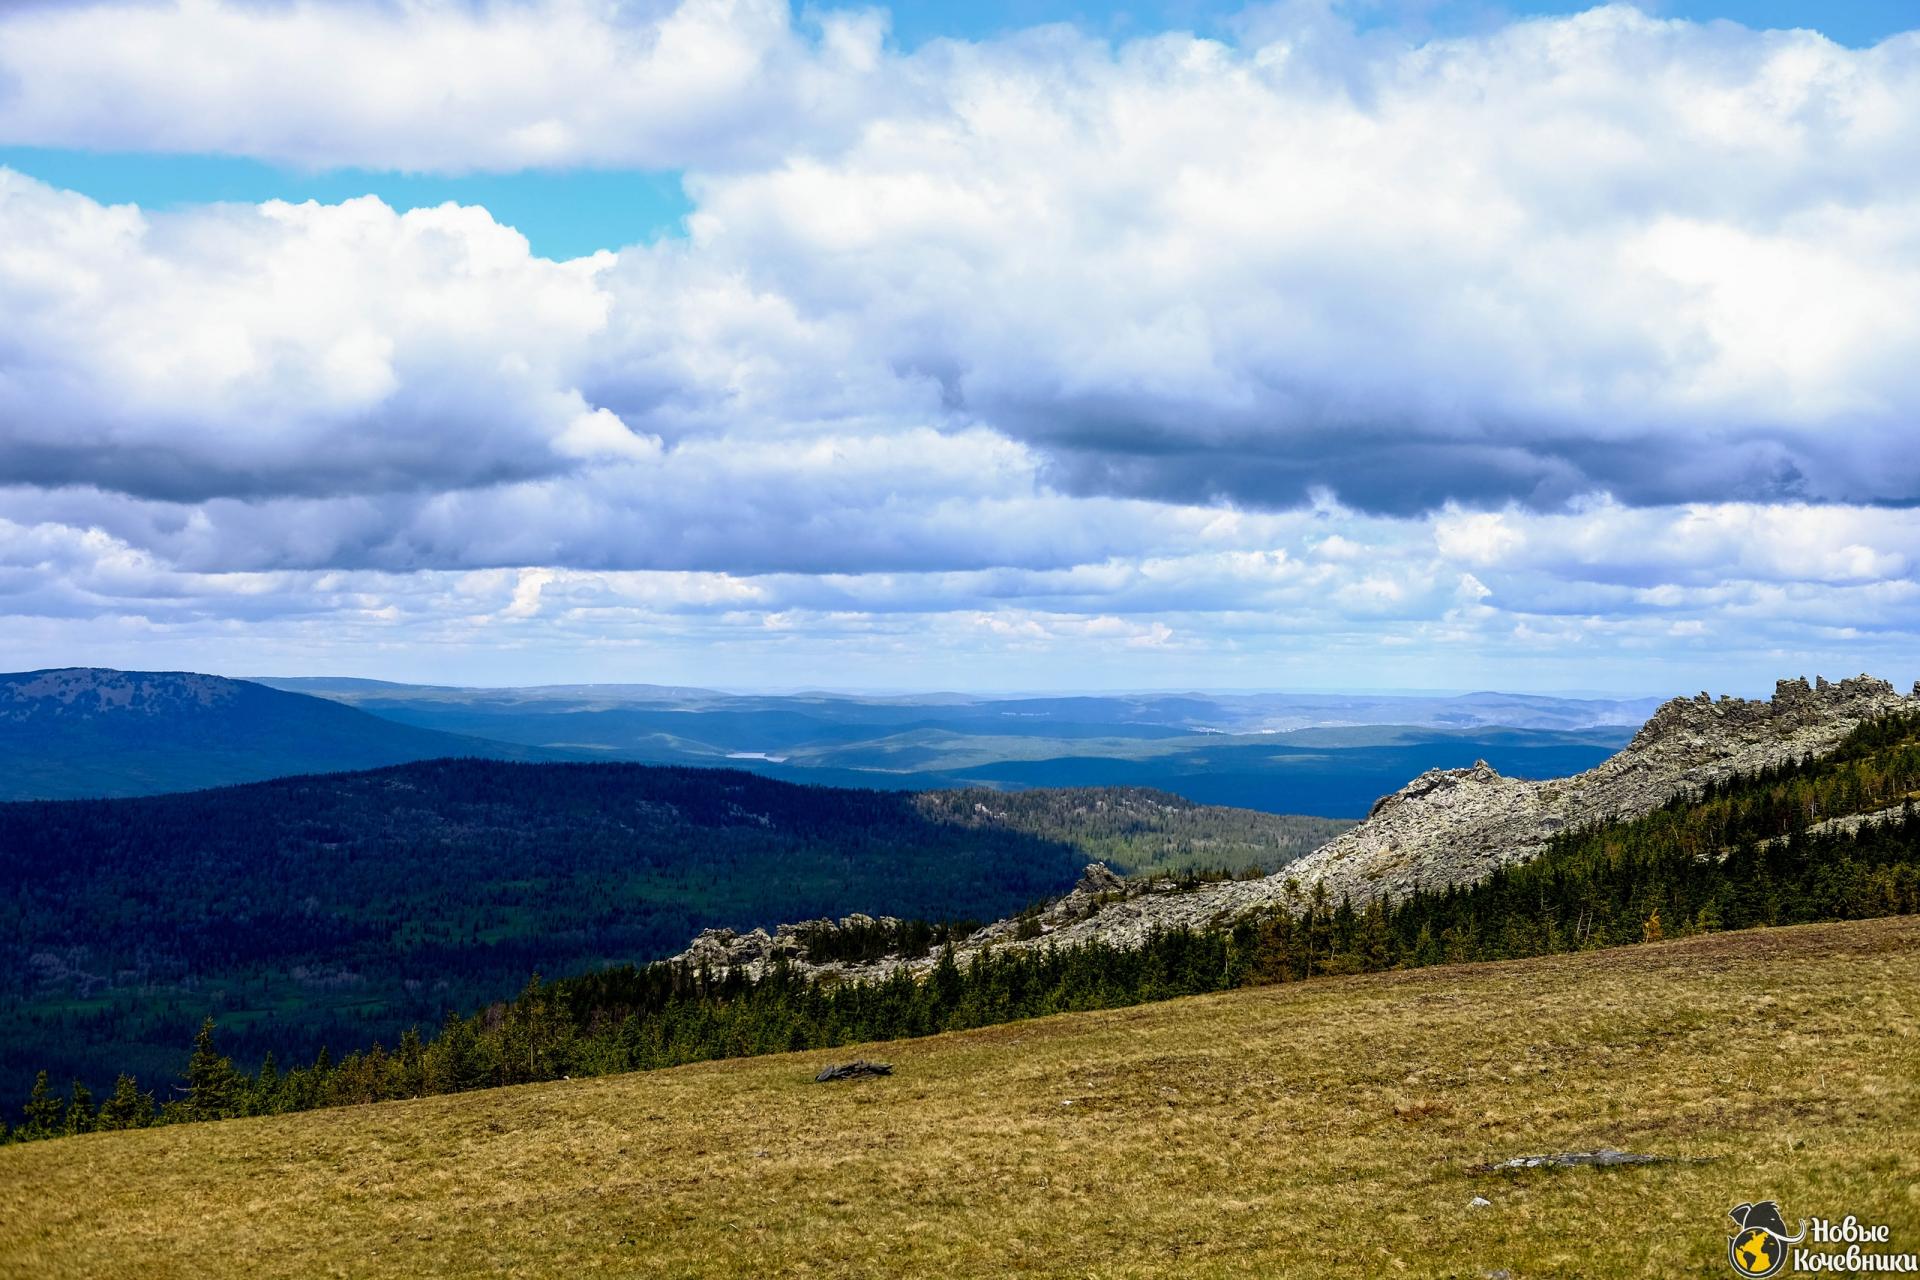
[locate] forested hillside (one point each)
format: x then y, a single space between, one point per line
336 910
1139 829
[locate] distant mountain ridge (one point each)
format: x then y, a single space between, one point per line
1323 753
84 692
73 732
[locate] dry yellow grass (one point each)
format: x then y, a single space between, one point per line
1328 1128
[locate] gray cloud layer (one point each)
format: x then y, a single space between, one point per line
1600 254
1044 328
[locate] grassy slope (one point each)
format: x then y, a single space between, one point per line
1324 1128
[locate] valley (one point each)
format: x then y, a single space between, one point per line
332 911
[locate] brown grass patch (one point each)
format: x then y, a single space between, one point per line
1327 1128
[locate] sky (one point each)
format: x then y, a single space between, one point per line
1015 344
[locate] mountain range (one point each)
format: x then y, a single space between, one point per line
85 732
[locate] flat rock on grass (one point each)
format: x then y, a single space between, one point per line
1571 1159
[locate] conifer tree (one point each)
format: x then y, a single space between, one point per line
213 1087
128 1108
1319 930
79 1110
266 1087
1375 944
45 1110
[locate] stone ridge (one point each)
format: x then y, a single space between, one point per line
1450 826
1455 826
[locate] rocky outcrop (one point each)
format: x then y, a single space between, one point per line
1455 826
1446 827
757 950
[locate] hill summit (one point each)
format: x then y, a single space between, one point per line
87 731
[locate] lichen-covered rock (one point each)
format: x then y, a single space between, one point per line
757 950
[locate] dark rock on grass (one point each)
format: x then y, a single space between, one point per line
854 1070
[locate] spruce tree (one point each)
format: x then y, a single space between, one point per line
128 1108
80 1110
266 1087
45 1110
213 1087
1375 944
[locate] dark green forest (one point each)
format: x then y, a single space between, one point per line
1739 854
341 909
1138 829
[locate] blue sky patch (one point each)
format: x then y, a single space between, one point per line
1857 22
563 214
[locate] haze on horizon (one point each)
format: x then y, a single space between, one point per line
1308 345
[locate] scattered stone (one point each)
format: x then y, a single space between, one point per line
1479 1202
854 1070
1571 1159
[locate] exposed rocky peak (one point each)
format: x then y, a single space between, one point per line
1098 878
1455 826
1439 787
757 950
1795 705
